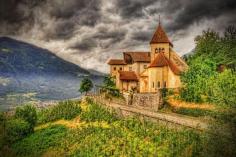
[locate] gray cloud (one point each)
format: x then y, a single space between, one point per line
95 30
142 35
86 44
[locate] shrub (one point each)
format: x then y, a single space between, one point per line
64 110
27 113
41 140
16 129
97 113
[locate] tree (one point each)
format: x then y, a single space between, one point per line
109 81
195 80
27 113
85 85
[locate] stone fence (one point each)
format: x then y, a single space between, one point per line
146 101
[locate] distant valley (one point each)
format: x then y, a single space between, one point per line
29 73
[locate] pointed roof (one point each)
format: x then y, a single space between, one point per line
160 36
161 61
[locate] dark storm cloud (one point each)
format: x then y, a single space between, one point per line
116 35
13 11
63 30
107 27
84 12
142 36
86 44
183 13
194 11
132 8
65 14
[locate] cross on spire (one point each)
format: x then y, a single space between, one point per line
159 19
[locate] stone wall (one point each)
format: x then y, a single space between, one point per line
146 101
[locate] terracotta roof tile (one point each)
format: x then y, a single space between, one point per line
161 61
128 75
139 56
116 62
160 36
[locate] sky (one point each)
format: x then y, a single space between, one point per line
90 32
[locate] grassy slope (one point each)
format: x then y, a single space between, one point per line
97 132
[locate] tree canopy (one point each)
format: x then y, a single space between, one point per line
86 85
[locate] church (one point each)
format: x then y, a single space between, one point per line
147 72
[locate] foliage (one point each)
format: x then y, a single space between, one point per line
101 133
195 80
86 85
109 87
27 113
16 129
109 81
222 89
40 141
97 113
63 110
203 83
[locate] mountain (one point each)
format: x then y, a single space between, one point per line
29 73
17 57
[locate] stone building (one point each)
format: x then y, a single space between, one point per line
146 72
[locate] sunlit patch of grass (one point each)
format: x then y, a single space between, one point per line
182 104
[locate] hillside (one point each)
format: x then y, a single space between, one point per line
30 73
17 57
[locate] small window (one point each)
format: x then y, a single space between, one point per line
130 68
163 49
120 68
114 68
164 84
145 66
153 85
158 84
156 50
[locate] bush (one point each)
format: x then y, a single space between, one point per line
40 141
16 129
64 110
97 113
27 113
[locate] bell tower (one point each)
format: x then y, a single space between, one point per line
160 43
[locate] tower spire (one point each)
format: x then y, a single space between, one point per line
159 19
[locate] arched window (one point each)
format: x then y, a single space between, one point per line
163 50
158 84
114 68
156 50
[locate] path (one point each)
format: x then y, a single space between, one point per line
178 119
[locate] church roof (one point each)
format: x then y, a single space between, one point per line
116 62
128 76
138 56
161 61
160 36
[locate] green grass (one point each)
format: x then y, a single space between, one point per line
102 133
40 141
64 110
194 112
